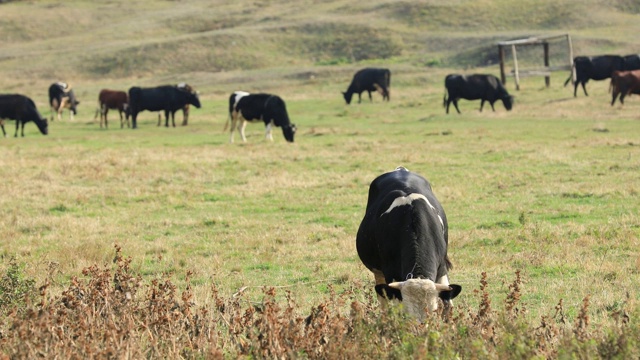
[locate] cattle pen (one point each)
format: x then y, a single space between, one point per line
546 70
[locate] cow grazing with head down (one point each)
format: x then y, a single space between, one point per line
475 87
624 83
267 108
61 97
403 240
116 100
369 79
588 68
167 98
21 109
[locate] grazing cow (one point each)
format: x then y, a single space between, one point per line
403 240
474 87
593 67
369 79
113 99
61 96
167 98
267 108
624 83
21 109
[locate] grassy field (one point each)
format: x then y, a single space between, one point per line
549 189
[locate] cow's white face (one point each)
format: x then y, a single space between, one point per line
420 295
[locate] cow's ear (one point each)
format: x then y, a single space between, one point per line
388 292
450 294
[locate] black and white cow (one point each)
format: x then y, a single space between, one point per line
475 87
267 108
369 79
61 96
167 98
595 68
403 240
21 109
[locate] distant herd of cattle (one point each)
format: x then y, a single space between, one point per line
624 72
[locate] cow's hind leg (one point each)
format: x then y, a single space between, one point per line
584 88
241 127
455 103
4 133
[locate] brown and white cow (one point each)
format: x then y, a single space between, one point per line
61 97
116 100
624 83
403 240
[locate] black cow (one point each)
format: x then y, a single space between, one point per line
21 109
593 67
267 108
632 62
61 96
369 79
474 87
185 109
403 240
167 98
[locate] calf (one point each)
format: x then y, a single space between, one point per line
21 109
266 108
474 87
61 96
624 83
369 79
113 99
403 241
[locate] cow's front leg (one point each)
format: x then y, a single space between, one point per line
268 134
481 104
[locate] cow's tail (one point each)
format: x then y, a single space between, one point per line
226 123
571 75
98 111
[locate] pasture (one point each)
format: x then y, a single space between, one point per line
549 190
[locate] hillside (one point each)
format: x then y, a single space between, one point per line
199 41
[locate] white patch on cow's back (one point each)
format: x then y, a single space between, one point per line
239 95
407 200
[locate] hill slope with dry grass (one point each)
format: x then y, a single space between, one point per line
98 41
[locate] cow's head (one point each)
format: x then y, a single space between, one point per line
194 99
419 295
289 131
73 102
43 125
507 100
347 97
